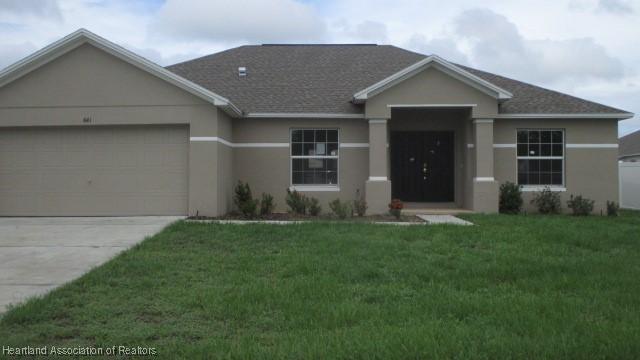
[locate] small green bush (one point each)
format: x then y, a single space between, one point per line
266 204
296 202
580 206
360 204
244 200
510 198
341 209
313 205
547 201
612 208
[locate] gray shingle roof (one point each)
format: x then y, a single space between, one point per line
323 79
629 144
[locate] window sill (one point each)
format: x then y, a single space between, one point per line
302 188
526 188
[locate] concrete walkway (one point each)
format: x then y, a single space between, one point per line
443 219
39 254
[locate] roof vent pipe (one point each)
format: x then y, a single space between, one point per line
242 71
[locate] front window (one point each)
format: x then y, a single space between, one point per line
314 156
541 157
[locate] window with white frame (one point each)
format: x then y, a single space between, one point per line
314 156
541 157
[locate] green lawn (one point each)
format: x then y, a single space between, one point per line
511 287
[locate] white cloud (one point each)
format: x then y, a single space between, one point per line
496 44
615 7
42 8
371 31
252 21
446 48
10 53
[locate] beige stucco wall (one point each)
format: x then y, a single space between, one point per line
87 82
431 86
268 169
591 172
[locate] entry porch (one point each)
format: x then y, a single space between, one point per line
433 158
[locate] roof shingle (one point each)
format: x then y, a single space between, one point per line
629 144
323 79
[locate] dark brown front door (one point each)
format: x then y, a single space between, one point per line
422 166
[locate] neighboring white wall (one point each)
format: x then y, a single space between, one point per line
630 185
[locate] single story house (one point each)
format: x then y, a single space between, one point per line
90 128
630 147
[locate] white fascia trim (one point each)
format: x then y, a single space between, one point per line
378 178
354 145
260 145
504 146
628 156
377 121
533 188
237 145
210 139
305 115
263 145
483 121
592 146
431 105
440 64
305 188
83 36
484 179
620 116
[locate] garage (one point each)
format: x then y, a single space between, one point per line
94 170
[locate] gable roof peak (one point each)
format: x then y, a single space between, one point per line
83 36
441 64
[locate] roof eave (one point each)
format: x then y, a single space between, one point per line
617 116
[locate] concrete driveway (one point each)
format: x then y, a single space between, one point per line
39 254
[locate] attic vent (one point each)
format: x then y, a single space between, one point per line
242 71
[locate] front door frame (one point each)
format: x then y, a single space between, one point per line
418 147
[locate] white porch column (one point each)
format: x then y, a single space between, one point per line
378 186
485 187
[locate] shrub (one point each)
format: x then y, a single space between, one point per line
360 204
395 208
297 202
612 208
510 198
547 201
580 206
266 204
313 205
341 209
244 200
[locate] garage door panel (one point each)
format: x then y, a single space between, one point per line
17 180
61 181
126 170
17 203
156 136
14 160
102 156
163 204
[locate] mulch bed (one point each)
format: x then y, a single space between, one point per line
296 217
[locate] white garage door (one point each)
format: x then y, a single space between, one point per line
94 171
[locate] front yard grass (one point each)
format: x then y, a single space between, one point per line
510 287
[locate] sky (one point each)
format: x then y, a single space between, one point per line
587 48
